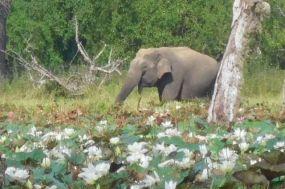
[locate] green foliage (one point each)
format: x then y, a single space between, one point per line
272 41
63 172
127 25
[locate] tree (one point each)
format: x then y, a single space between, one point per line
5 6
247 17
283 90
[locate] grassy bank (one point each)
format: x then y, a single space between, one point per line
32 103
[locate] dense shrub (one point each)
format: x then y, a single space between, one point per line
127 25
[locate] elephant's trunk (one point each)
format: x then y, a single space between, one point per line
133 80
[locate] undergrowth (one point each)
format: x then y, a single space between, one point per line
261 89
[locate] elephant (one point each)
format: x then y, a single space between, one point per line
179 73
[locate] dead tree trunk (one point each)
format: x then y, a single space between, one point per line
283 107
247 17
5 6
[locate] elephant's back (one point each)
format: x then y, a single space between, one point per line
198 70
188 55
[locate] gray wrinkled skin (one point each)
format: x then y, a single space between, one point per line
179 73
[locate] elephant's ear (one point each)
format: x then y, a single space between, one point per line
163 67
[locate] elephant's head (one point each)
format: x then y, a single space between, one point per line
145 70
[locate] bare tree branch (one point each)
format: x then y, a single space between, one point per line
99 54
111 67
282 13
75 83
79 45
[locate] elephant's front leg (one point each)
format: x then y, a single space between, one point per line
169 89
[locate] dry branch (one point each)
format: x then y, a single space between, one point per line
282 13
111 67
75 83
33 65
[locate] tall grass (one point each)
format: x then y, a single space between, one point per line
262 86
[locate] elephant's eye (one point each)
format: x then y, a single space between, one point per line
143 66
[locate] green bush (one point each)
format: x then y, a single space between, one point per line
127 25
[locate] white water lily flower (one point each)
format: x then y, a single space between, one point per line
170 184
37 186
169 133
177 107
121 169
17 149
239 133
201 138
33 131
228 159
202 177
147 182
166 124
243 146
212 136
137 147
260 140
150 120
226 166
137 154
68 131
30 147
58 152
165 150
25 148
114 140
226 154
94 151
52 136
92 173
103 122
203 150
187 155
83 138
3 156
210 164
144 161
185 163
253 161
280 146
167 163
46 163
269 136
16 174
51 187
139 158
89 143
101 127
263 139
187 152
135 157
64 150
29 185
3 139
135 187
